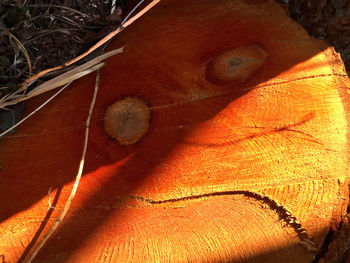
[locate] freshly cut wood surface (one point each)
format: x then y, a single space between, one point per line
201 167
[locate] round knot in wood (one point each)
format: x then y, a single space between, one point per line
236 65
127 120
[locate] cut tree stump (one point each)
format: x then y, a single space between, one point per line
220 134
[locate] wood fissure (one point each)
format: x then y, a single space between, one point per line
284 214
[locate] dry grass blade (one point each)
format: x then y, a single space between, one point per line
77 178
62 79
96 46
23 50
35 111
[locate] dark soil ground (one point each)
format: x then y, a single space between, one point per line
40 34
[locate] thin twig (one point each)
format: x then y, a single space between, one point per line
113 4
49 196
23 50
77 178
131 12
35 111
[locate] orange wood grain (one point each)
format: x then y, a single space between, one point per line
254 171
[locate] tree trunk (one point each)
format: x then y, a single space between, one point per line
220 134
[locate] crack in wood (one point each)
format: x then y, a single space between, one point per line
284 214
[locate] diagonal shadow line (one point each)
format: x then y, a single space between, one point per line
306 118
209 145
168 142
79 125
127 168
84 236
